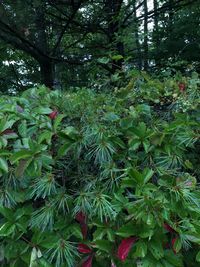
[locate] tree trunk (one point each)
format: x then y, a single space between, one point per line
112 8
118 64
47 73
137 42
146 48
156 34
46 65
171 15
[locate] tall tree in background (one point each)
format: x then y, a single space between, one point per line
38 28
112 9
156 31
145 45
74 43
137 40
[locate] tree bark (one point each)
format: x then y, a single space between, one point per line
137 41
156 33
112 8
47 73
171 14
46 65
146 48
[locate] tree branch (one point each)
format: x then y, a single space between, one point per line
65 27
165 8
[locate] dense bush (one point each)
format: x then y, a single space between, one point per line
94 179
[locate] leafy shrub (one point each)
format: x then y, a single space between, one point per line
94 179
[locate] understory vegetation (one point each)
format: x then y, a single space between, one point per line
96 178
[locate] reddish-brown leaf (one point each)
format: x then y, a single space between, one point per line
182 86
7 132
125 247
169 228
82 248
88 262
173 242
81 217
84 229
53 114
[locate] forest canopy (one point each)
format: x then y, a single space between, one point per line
72 43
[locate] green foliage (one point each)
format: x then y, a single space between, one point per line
68 44
128 161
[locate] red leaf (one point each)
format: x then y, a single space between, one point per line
53 114
125 247
84 229
81 217
173 242
181 86
88 262
82 248
7 132
169 228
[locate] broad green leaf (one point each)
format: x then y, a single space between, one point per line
3 165
7 229
76 231
198 257
3 141
144 108
147 174
177 245
156 249
174 259
33 259
7 213
42 110
166 263
6 124
22 166
140 130
104 245
150 219
128 182
49 241
110 235
134 144
22 154
44 263
134 174
103 60
99 234
127 230
146 145
45 136
141 249
4 152
57 121
69 132
22 129
188 164
146 232
117 57
65 148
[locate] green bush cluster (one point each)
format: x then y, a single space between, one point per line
101 179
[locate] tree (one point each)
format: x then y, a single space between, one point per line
39 29
72 43
145 46
156 31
